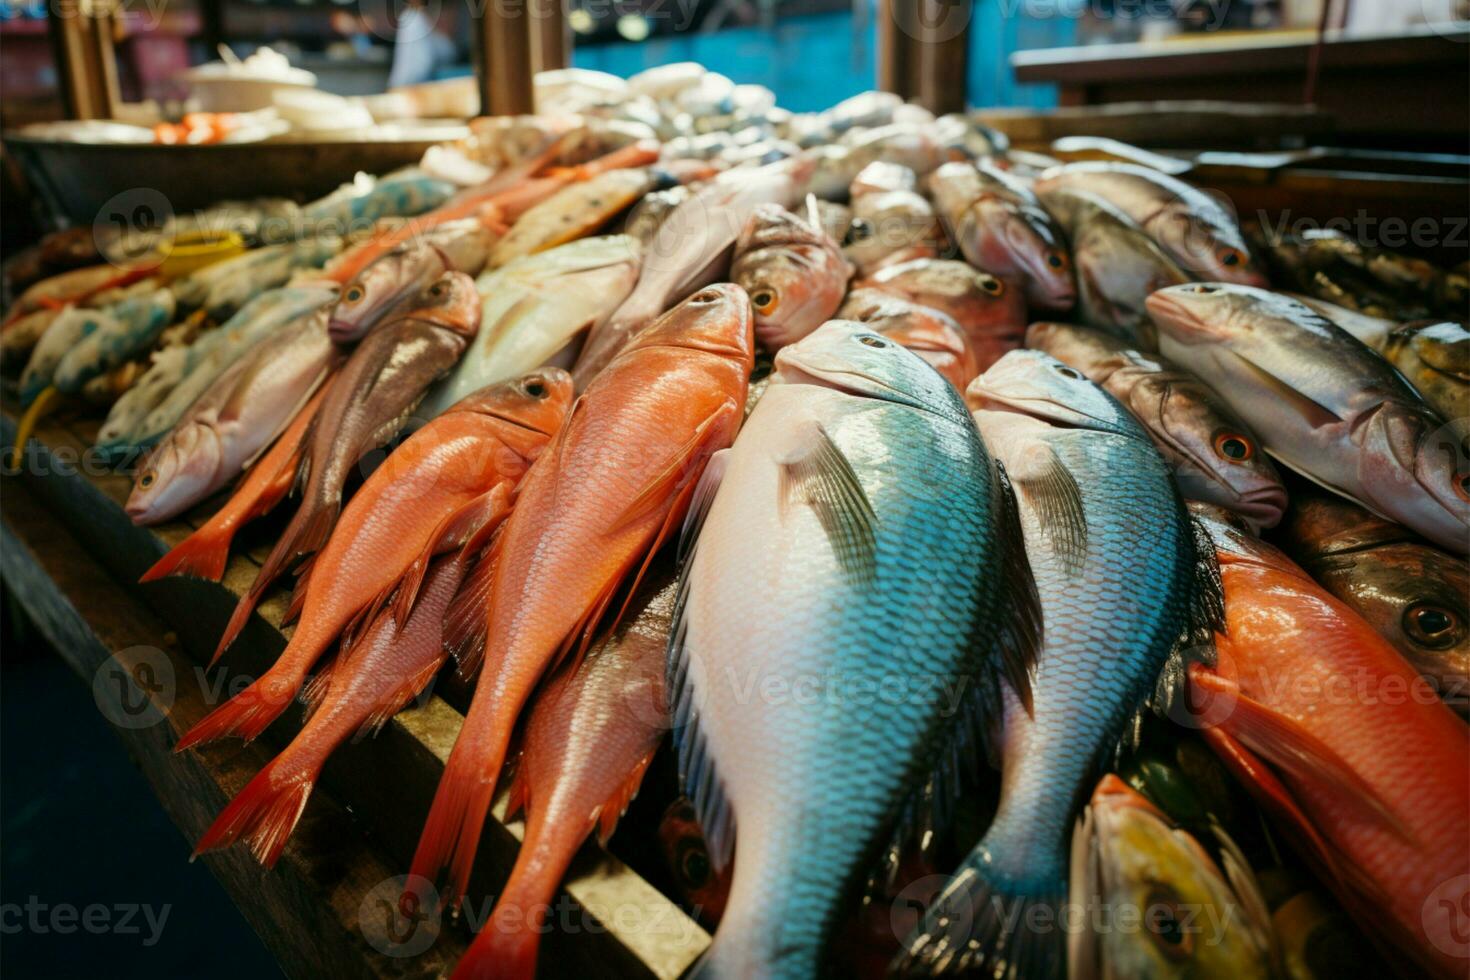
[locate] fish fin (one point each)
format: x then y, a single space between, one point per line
1285 744
1050 487
699 503
616 805
1196 644
1017 642
678 471
519 793
265 812
466 620
202 554
1237 871
816 473
244 716
480 514
697 771
1317 415
238 618
395 700
315 690
981 923
298 591
1084 890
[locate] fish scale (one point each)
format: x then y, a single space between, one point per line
811 824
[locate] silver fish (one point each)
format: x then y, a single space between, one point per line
131 328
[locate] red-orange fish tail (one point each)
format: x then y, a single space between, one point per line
202 554
446 850
506 947
265 811
247 714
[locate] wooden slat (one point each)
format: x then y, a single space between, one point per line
388 782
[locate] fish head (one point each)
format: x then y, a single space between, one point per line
1191 921
387 282
1037 248
451 301
928 332
793 273
854 358
538 401
1442 345
1034 383
1208 312
176 475
716 320
1210 246
682 841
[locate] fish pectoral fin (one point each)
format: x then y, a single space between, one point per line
1317 415
474 519
680 468
466 619
816 473
1052 490
1288 746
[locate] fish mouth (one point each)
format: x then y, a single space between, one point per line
1262 507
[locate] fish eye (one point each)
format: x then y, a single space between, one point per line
860 230
1067 372
872 341
706 297
1234 447
1203 288
694 867
1232 257
148 480
536 389
764 299
1056 260
354 294
1165 928
992 285
1430 625
1462 485
438 288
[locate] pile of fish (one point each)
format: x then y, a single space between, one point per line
909 490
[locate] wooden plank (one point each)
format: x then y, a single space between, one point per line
629 926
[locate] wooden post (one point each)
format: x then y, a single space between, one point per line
504 34
924 51
551 36
86 68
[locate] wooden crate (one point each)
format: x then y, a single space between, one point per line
72 558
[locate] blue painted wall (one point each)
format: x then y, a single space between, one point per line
812 62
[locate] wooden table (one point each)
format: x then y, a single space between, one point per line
72 558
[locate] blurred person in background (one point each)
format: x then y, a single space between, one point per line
419 50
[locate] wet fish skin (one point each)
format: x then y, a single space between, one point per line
890 221
795 275
990 311
1435 356
578 210
1116 567
827 610
930 333
1001 227
615 480
1322 403
1117 265
1196 920
538 308
1215 457
1383 830
1416 596
400 274
589 736
241 413
690 249
1193 228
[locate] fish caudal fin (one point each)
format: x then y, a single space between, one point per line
238 619
980 925
202 554
265 811
247 714
446 850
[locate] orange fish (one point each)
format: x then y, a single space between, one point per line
204 553
356 695
1340 739
588 739
990 311
613 485
452 475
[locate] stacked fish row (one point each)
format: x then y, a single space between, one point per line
930 536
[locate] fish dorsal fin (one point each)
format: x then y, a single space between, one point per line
679 467
454 531
817 474
1052 490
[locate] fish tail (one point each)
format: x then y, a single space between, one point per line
250 712
506 947
446 850
988 923
238 619
202 554
266 810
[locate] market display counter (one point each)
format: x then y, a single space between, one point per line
71 557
